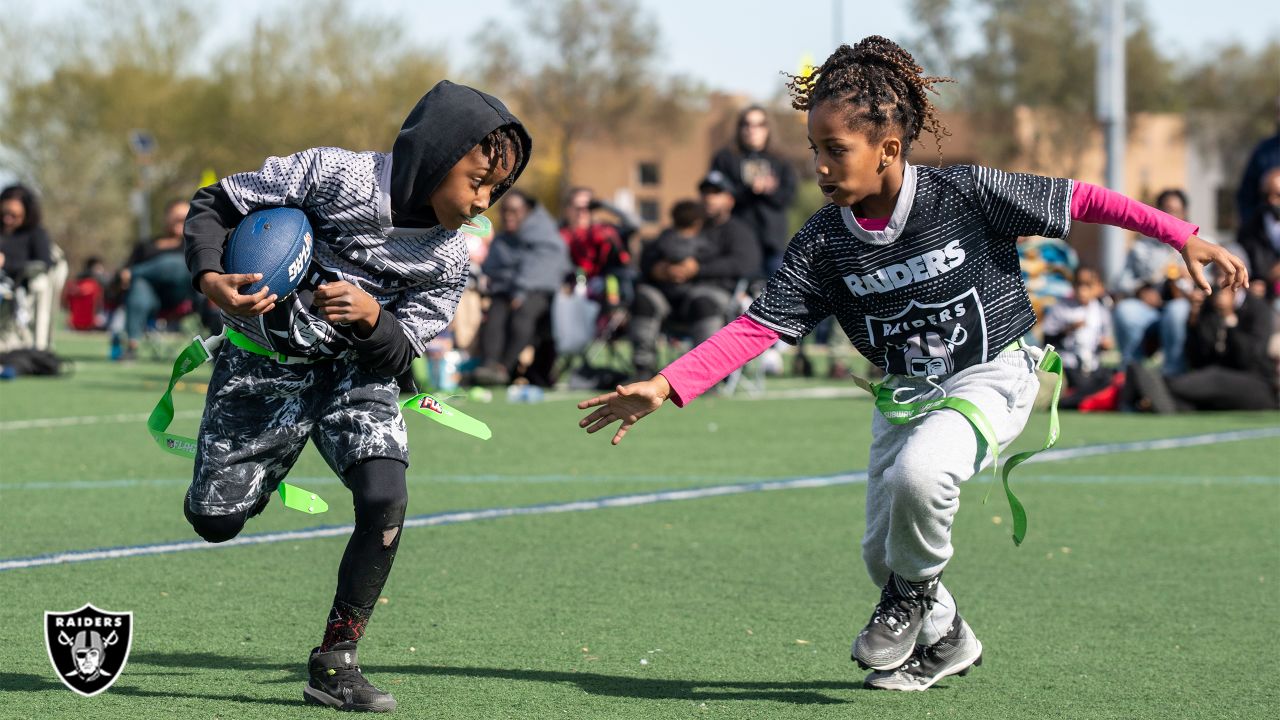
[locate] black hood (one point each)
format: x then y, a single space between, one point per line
445 124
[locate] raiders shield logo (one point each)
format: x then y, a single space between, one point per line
88 647
932 338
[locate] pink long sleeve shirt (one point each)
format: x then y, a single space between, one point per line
743 339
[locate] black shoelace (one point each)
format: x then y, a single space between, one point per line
892 606
350 677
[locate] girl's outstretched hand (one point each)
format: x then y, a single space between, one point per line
1199 252
628 403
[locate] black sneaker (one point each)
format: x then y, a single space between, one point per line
890 637
956 653
336 682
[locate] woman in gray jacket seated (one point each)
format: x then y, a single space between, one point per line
526 265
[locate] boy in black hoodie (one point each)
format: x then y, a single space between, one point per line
389 266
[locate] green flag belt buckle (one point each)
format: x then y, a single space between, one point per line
201 351
193 356
902 413
244 342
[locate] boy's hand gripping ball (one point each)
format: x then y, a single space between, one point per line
275 242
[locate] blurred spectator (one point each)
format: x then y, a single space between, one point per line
596 249
1080 327
689 273
24 245
730 253
1150 261
764 185
155 279
527 264
84 297
1227 352
31 272
470 315
1265 157
1048 265
1156 314
1260 236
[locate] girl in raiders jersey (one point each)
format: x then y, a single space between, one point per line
321 363
919 266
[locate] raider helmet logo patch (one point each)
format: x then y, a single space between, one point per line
88 647
932 338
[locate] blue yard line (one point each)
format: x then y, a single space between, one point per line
617 501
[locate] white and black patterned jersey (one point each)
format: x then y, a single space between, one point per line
416 274
940 288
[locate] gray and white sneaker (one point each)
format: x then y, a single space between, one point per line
956 653
890 636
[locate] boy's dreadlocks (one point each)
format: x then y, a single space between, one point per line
882 86
496 145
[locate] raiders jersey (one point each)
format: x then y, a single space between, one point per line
939 288
416 274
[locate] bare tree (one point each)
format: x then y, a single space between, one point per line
318 75
1041 56
585 71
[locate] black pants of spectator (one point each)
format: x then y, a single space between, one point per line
1209 388
507 331
1220 388
700 310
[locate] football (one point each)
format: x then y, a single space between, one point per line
275 242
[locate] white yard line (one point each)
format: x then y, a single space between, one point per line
620 501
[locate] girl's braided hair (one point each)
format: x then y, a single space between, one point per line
882 87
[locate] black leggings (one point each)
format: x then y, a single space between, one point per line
380 496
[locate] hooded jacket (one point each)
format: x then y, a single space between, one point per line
373 227
534 258
443 127
766 214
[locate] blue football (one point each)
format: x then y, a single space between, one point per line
275 242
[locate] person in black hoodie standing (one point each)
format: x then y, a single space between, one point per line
389 264
764 185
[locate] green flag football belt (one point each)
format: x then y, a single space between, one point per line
902 413
201 351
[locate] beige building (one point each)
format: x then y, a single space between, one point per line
647 175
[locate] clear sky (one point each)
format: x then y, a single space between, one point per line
736 45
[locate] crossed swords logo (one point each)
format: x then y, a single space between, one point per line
88 649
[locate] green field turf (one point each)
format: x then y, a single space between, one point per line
1145 589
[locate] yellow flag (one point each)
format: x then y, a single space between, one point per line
208 177
807 67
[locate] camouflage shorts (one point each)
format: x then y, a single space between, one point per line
259 414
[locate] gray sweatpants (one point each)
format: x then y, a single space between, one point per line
913 483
